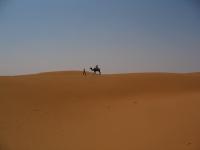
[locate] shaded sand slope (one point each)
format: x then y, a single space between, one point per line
66 111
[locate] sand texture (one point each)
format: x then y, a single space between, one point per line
67 111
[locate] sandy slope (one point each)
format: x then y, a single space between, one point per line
66 111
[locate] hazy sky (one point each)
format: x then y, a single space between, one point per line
119 35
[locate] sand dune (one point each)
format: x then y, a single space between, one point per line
67 111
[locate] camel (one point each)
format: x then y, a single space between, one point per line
96 69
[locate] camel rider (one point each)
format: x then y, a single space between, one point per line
97 66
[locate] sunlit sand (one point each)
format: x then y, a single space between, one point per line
69 111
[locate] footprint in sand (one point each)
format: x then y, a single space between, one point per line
108 107
35 109
135 102
189 143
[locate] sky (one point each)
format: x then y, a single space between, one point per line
119 35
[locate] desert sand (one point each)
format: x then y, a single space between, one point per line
67 111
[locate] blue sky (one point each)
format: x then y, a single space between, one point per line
119 35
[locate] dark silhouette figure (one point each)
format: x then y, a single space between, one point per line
96 69
84 72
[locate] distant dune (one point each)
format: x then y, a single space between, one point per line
67 111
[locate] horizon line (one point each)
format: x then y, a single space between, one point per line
80 71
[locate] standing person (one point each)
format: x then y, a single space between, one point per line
84 72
